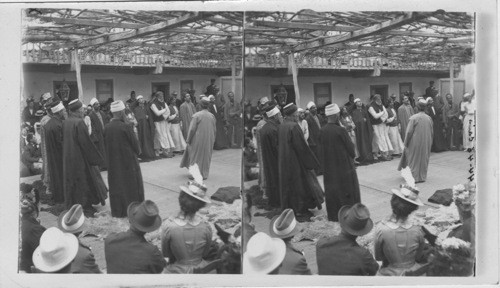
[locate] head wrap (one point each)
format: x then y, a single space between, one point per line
289 109
421 103
75 105
356 100
46 96
211 97
429 99
300 110
310 105
140 97
57 106
332 109
93 101
466 95
204 99
263 100
270 113
117 106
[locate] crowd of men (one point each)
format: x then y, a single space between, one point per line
293 146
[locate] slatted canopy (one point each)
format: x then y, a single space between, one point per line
183 35
425 39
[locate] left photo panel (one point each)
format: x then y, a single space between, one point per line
130 145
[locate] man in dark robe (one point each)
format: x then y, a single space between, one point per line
132 101
363 132
54 146
431 91
314 125
350 105
337 153
145 129
298 184
232 115
438 141
396 103
186 112
98 120
221 140
83 183
124 172
211 89
269 148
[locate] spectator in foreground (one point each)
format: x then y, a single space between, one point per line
31 231
264 255
56 252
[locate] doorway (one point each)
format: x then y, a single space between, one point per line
160 86
73 90
290 98
382 90
403 88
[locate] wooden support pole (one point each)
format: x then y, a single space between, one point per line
451 79
291 60
233 74
76 61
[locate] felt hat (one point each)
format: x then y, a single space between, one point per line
408 194
264 254
93 101
196 190
310 105
56 250
72 220
289 109
355 219
75 105
144 216
332 109
285 225
117 106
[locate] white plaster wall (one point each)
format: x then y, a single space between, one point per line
468 73
36 83
257 87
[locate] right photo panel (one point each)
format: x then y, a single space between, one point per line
359 154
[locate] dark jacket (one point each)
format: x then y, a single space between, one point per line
339 255
84 262
31 231
294 262
129 253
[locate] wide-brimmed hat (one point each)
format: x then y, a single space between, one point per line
285 225
196 190
409 194
144 216
72 220
355 219
56 250
263 254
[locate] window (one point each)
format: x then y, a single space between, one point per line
322 93
103 90
186 85
404 87
160 86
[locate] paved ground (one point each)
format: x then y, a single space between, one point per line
162 179
376 181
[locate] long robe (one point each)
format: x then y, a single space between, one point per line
404 114
54 146
364 136
97 135
298 184
175 129
314 127
124 172
186 113
221 139
145 130
83 184
262 177
438 141
269 154
418 143
43 148
200 140
339 178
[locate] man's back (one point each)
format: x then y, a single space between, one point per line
339 255
129 253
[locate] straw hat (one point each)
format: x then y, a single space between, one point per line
409 194
144 216
196 190
263 254
72 220
285 225
355 219
56 250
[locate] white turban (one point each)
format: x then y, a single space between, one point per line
117 106
139 97
300 110
205 99
429 99
332 109
272 112
263 100
46 96
93 101
57 108
356 100
310 104
211 97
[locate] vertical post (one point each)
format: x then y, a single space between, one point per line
451 78
75 61
233 75
291 59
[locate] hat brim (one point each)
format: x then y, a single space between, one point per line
279 247
138 226
60 226
368 227
292 233
40 263
187 191
398 193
